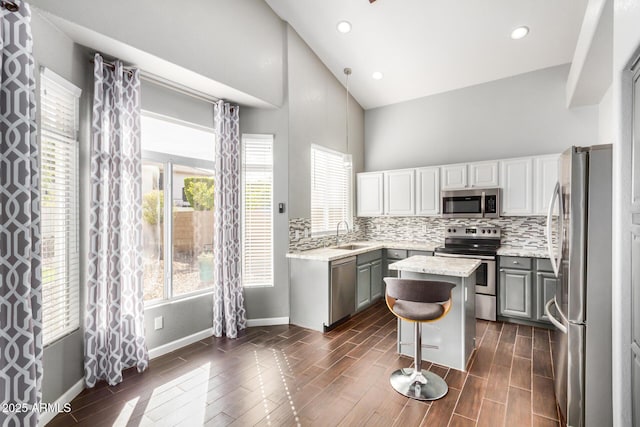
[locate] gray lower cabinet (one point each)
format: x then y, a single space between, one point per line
525 285
545 290
363 294
376 280
369 279
391 256
515 293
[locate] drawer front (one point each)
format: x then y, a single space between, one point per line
396 253
369 256
424 253
543 264
515 262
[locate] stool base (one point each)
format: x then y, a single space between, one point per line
404 383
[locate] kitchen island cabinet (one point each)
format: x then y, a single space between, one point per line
451 340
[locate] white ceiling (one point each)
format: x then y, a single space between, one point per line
424 47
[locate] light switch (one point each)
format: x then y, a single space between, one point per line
158 323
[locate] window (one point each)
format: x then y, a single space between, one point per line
177 207
59 206
257 210
330 189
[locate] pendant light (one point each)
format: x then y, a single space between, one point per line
347 157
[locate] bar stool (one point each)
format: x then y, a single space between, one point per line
418 301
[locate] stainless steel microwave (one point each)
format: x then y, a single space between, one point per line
476 203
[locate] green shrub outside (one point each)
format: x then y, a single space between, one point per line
199 193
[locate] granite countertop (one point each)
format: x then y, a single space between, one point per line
332 253
459 267
524 251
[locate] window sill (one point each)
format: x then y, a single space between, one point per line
181 298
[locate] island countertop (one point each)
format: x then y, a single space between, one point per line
458 267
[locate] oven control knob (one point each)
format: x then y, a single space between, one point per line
495 231
449 230
484 231
454 230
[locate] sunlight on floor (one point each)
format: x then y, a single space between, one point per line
125 413
284 382
193 411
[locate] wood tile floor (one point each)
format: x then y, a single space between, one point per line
286 375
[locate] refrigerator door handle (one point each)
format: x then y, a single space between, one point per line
552 319
552 257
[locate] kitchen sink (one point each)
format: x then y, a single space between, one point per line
352 247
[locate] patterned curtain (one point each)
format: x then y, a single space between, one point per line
228 300
20 269
114 330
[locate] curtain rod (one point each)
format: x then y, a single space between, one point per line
10 6
169 84
177 87
112 66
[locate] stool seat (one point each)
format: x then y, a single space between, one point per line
417 311
418 301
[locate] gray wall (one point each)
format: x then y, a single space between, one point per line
517 116
265 302
167 102
62 360
316 116
314 111
237 43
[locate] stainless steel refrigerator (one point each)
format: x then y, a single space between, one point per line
581 308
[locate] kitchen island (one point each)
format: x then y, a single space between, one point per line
451 340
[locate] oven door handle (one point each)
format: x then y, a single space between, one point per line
483 257
482 208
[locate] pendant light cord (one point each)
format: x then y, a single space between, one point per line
347 72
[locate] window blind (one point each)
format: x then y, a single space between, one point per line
257 210
330 189
59 206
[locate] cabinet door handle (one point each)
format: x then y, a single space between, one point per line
502 269
516 262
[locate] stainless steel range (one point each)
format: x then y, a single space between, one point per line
480 243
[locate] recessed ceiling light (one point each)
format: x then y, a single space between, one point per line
344 26
377 75
519 33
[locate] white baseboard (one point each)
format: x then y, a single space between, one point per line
179 343
67 397
269 321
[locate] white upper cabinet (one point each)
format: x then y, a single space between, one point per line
545 177
454 177
399 192
516 180
428 191
370 194
483 174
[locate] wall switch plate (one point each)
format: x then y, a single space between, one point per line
426 228
158 323
281 207
377 227
306 233
297 233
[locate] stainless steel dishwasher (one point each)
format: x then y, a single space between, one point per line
343 289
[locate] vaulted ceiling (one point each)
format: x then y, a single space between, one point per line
424 47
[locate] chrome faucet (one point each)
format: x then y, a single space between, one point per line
338 231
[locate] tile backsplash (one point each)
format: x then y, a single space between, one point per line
516 230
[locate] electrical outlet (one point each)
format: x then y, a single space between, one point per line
306 232
377 227
426 228
297 235
158 323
